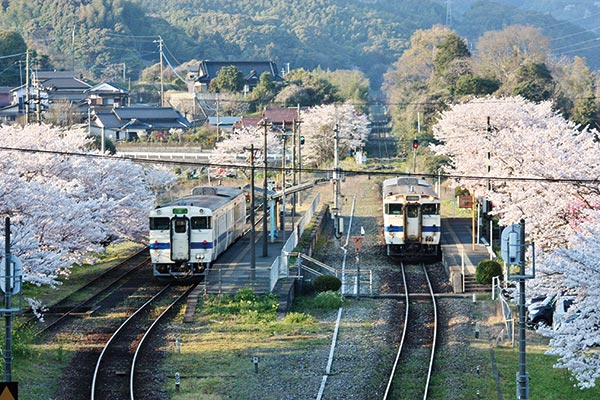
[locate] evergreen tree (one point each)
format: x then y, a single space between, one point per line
12 46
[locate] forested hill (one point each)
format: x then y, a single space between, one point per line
100 35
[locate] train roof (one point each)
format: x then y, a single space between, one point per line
405 185
210 197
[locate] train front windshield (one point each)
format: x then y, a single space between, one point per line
393 208
159 223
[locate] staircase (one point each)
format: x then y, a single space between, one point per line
471 285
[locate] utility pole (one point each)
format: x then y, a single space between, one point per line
513 248
162 88
299 151
523 377
7 305
252 221
265 125
294 132
283 182
27 87
336 182
449 13
73 49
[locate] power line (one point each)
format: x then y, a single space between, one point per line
580 181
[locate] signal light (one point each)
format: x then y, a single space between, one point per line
415 143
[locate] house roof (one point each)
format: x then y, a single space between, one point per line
107 87
276 116
63 84
279 115
152 118
248 122
42 75
223 121
252 70
154 113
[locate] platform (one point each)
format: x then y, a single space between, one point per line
460 255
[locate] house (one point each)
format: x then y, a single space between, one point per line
65 86
107 94
279 118
131 123
222 123
8 111
252 70
48 87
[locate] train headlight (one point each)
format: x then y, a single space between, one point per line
200 256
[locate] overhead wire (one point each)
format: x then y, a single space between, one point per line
594 181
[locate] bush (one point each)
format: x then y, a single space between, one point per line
326 283
486 270
298 318
329 300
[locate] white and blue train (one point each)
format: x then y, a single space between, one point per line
411 218
188 234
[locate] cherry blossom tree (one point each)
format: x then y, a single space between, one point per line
543 169
235 150
65 207
545 165
318 129
576 339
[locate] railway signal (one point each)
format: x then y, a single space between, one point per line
415 144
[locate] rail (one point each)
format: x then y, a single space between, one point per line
389 388
113 338
147 334
404 329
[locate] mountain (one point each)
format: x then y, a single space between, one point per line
102 37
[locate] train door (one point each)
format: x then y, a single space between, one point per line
180 239
412 227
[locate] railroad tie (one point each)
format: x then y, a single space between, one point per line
190 306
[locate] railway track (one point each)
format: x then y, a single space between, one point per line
115 374
81 301
411 372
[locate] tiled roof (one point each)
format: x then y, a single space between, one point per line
155 118
65 84
279 115
209 69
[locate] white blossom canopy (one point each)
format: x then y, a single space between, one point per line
318 125
543 169
64 208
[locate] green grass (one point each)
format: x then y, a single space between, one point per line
79 275
38 367
223 334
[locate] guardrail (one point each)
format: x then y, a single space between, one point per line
279 268
509 321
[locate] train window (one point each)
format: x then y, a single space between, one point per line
412 211
430 209
159 223
392 208
200 222
180 225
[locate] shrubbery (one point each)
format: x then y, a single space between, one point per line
486 270
326 283
329 300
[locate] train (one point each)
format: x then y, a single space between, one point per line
188 234
411 218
